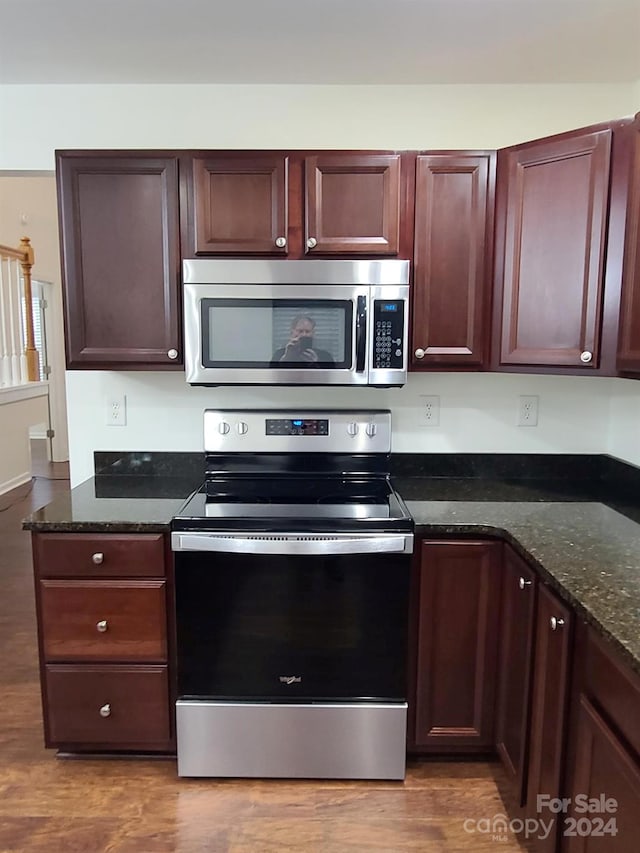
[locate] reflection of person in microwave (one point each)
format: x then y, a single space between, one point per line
300 346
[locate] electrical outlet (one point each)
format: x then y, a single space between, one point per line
429 410
116 410
528 410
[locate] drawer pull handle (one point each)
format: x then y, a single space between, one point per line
523 582
556 623
97 559
105 711
102 626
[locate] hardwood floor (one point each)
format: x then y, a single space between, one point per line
139 806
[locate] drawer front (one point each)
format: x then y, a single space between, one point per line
93 556
107 706
103 620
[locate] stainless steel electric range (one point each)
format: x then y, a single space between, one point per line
292 571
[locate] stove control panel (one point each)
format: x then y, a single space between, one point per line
296 426
263 431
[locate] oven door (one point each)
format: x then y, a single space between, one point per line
257 334
292 617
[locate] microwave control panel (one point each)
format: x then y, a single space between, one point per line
388 327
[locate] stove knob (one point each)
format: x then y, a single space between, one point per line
371 430
352 429
223 427
241 428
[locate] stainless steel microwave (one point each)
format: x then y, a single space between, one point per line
296 322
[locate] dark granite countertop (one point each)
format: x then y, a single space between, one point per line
106 504
581 532
588 552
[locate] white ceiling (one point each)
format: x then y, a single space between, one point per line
319 41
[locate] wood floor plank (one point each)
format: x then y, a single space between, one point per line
140 806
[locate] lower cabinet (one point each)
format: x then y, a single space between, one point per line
457 634
519 587
603 775
549 704
103 639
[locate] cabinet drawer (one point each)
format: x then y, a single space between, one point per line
103 620
92 555
108 706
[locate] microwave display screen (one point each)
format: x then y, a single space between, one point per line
278 333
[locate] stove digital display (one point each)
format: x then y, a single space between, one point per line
296 426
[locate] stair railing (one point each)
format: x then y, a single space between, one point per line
18 354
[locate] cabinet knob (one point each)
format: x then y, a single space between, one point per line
97 559
556 623
105 711
281 242
523 583
586 356
172 353
102 626
420 353
312 243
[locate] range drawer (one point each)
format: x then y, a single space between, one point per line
103 620
95 556
108 706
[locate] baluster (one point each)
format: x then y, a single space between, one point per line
18 320
5 362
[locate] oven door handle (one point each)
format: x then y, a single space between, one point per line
283 544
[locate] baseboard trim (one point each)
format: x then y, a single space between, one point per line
14 482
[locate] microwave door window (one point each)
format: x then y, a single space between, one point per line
284 333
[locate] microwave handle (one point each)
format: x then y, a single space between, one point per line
361 333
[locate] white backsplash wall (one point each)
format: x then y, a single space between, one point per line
478 412
624 433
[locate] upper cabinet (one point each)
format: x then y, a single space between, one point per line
352 204
239 204
293 204
550 259
629 340
452 258
119 226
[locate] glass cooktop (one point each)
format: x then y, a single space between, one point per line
296 503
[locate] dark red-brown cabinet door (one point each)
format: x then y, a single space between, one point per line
239 204
547 732
515 667
453 253
459 601
604 766
555 218
121 260
352 204
629 339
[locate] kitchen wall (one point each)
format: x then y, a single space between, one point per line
624 428
478 411
180 116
